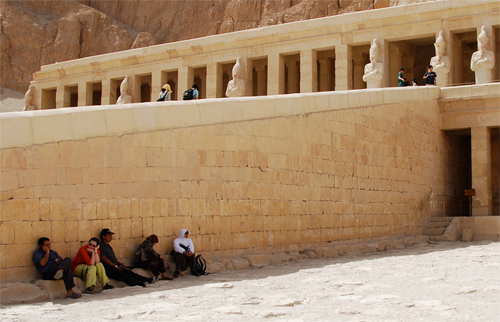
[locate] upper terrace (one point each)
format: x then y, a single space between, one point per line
317 55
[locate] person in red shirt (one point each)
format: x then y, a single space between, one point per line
87 265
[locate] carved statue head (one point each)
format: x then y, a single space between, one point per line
440 44
124 85
482 39
237 68
374 51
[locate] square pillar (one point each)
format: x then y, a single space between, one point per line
185 78
276 74
60 96
156 85
308 71
84 97
214 80
343 68
106 92
481 171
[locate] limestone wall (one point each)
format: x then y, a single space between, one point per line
247 175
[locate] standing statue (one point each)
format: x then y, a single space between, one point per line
236 86
483 60
28 99
440 62
374 71
124 97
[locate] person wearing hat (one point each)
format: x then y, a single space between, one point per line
183 254
165 94
116 269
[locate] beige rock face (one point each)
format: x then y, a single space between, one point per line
41 32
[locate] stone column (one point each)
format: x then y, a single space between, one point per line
84 97
395 54
60 95
325 74
308 71
384 54
343 68
481 171
276 74
185 79
106 92
156 84
214 80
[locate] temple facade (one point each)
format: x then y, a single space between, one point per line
316 145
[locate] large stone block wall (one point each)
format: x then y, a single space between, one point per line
252 176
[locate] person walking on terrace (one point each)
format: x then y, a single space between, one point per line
53 267
87 265
116 269
183 253
401 79
146 257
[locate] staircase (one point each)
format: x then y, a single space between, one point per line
436 227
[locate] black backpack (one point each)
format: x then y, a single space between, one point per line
201 265
188 94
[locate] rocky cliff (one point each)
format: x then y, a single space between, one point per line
39 32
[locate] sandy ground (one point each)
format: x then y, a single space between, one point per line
11 101
448 281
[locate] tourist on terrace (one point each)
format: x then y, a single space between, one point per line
146 257
116 269
87 265
430 77
52 267
183 253
401 80
165 94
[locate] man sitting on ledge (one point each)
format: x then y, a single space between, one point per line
116 269
52 267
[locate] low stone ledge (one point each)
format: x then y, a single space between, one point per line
16 293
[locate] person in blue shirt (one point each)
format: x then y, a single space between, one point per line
196 93
53 267
430 77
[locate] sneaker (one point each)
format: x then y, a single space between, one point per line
176 274
156 278
143 284
58 275
108 287
150 280
89 290
195 273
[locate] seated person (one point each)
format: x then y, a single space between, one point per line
52 267
183 253
87 265
146 257
116 269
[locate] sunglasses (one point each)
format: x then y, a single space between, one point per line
93 245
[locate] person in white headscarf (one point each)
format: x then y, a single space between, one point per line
183 253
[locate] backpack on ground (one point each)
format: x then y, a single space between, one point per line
201 265
188 94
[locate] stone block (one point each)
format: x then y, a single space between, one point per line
240 263
215 267
258 261
16 293
467 235
55 289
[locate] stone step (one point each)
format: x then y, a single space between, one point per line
442 219
438 224
434 231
